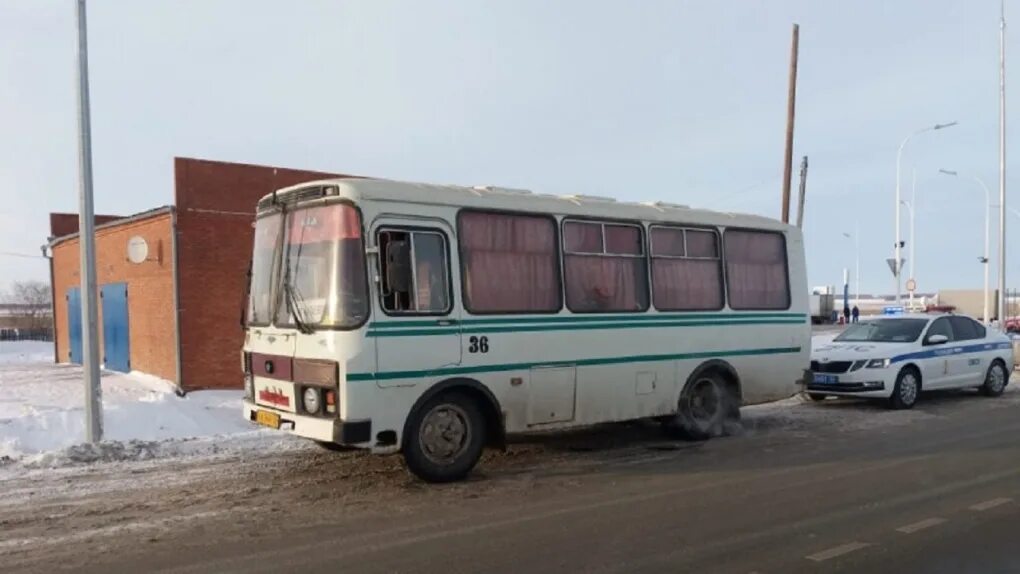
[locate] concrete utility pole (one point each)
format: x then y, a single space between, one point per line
803 190
1002 165
87 241
791 100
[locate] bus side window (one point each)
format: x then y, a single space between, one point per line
414 272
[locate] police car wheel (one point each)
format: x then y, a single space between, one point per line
817 397
906 390
995 380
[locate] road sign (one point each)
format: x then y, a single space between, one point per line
892 265
911 285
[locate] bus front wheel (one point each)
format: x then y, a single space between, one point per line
705 405
444 438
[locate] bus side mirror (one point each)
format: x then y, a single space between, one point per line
398 266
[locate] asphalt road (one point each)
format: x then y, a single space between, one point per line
933 490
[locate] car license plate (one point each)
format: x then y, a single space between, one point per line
826 379
268 419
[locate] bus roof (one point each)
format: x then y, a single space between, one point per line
497 198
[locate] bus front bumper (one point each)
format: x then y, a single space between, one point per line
352 433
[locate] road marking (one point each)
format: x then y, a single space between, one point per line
921 525
837 551
990 504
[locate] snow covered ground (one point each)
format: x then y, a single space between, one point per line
42 415
25 352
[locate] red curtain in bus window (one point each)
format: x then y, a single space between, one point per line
597 283
324 223
668 241
580 237
687 284
509 262
756 270
686 273
623 240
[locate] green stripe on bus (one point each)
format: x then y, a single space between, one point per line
575 327
623 317
446 371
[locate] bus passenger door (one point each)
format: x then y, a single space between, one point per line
417 332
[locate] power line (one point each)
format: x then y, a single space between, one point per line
25 255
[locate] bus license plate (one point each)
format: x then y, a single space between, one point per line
826 379
268 419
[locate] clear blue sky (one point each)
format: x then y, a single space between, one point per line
677 101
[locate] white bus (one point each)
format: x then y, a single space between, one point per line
435 320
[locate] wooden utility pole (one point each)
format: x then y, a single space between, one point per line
790 107
803 190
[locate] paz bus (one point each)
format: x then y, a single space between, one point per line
436 320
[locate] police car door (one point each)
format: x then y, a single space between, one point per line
938 361
973 360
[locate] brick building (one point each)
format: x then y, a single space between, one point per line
173 308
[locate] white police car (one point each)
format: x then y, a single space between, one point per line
897 357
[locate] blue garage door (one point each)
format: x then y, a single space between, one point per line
74 324
116 351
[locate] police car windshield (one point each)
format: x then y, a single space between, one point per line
884 331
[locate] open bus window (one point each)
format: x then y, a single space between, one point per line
413 272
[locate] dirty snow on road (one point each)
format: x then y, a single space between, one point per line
42 415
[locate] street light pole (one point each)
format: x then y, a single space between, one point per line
87 241
857 261
1002 165
898 253
986 260
910 208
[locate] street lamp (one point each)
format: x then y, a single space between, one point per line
985 259
857 261
910 256
899 243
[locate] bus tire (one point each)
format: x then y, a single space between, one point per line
444 438
705 405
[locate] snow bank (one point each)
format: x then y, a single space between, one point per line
42 417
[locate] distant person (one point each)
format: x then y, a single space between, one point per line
856 314
846 314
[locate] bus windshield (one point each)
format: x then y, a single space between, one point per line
883 331
322 278
264 255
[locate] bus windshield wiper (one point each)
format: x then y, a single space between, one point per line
295 302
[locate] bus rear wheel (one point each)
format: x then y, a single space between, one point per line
444 438
706 404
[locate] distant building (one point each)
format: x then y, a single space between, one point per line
20 321
170 303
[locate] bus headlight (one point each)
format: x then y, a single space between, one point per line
249 386
311 400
